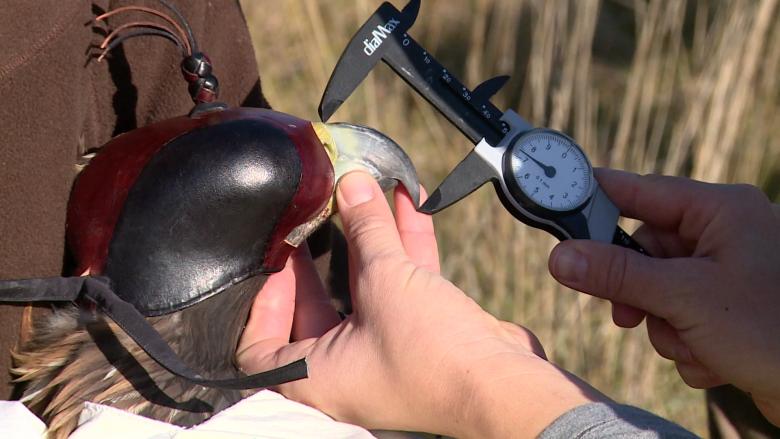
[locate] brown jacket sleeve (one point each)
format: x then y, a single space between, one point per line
58 103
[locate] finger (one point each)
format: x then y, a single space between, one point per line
416 230
667 342
368 222
662 201
314 313
698 376
271 316
647 237
269 354
664 287
662 243
525 337
627 316
659 243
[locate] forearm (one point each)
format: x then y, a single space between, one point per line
556 405
505 405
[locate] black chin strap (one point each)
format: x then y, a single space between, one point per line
98 290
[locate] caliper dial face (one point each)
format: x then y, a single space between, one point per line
551 170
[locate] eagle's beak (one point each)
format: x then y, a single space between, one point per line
358 148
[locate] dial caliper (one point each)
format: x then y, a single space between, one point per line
542 176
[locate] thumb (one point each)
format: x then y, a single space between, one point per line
264 344
369 225
662 287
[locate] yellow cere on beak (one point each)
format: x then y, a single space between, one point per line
321 130
326 139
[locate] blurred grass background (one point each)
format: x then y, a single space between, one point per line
652 86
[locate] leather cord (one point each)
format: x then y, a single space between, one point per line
98 290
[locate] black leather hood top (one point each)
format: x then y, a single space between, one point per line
205 209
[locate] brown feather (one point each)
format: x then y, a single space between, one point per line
62 365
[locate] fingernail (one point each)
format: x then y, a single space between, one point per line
570 265
356 188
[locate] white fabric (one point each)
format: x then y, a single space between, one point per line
17 421
264 415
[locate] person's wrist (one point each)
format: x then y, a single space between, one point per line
520 396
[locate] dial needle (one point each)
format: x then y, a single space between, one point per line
549 171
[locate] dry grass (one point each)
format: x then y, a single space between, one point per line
686 88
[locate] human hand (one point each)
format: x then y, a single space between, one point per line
417 353
711 294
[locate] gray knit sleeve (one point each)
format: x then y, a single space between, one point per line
600 420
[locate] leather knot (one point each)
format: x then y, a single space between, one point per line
197 71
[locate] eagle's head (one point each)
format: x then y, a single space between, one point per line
174 228
182 221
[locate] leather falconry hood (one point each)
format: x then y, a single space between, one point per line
170 214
